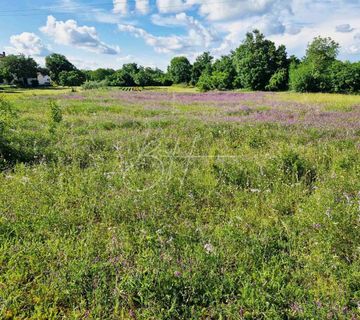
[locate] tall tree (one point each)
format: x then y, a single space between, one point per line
321 52
71 78
18 68
56 63
257 59
100 74
203 64
225 64
180 70
313 74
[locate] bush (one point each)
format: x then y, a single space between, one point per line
302 79
345 77
89 85
216 81
55 116
71 78
205 83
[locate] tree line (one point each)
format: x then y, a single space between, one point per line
257 64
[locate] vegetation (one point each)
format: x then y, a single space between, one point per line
257 64
177 205
18 69
180 70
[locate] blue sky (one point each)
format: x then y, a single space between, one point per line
109 33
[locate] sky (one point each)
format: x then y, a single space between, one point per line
109 33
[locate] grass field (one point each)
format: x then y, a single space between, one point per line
164 204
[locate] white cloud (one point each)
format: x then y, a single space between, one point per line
83 37
142 6
120 6
235 9
28 44
197 38
344 28
171 6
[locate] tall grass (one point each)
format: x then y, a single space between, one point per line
142 216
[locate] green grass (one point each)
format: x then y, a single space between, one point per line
335 102
117 213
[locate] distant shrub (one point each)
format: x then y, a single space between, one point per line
216 81
345 77
302 79
90 85
205 83
71 78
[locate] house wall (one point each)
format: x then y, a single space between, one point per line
43 80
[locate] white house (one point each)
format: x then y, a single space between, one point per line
41 80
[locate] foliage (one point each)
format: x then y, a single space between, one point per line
225 64
56 116
202 65
17 69
90 85
279 81
7 115
180 70
322 52
302 79
257 59
345 77
99 74
314 72
156 206
142 78
71 78
216 81
57 63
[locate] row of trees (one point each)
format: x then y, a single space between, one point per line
257 64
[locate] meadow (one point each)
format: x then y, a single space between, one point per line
172 204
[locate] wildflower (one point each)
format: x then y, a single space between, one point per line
177 274
208 248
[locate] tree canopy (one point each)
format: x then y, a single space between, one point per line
18 68
57 63
257 64
180 70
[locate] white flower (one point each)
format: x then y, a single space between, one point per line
208 248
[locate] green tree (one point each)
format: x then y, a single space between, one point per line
257 59
322 52
225 64
180 70
100 74
218 80
345 77
279 81
144 77
71 78
18 68
313 74
203 64
57 63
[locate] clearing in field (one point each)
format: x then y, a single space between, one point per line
179 205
